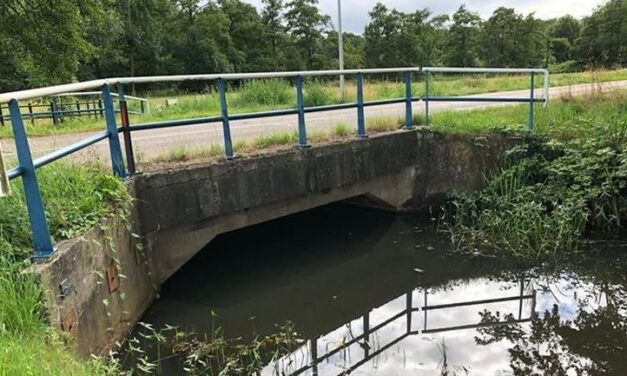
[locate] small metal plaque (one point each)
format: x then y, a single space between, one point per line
113 279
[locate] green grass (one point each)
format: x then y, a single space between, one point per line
562 118
274 94
76 198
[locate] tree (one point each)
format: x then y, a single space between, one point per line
307 25
603 38
385 37
462 50
41 42
272 17
508 40
564 32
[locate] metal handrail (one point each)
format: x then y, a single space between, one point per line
27 166
93 84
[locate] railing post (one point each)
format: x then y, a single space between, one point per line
30 113
408 112
427 98
36 214
226 129
361 122
55 119
300 103
78 109
366 335
114 141
313 344
1 116
141 106
100 108
409 311
531 102
128 143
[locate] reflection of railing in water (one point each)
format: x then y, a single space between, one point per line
364 338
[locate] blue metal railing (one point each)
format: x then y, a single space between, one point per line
27 166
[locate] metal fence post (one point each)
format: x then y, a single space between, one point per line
531 102
300 104
36 214
226 129
55 119
408 112
128 143
30 113
114 141
427 98
361 122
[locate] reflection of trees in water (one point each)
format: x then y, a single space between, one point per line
594 343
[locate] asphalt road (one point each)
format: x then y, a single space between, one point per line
150 143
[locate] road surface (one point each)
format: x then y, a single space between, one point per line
150 143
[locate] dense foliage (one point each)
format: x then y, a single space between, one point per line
48 42
551 194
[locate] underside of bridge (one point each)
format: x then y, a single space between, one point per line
181 210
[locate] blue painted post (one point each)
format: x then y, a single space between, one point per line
361 123
300 103
408 113
114 142
531 102
128 142
427 98
226 129
36 214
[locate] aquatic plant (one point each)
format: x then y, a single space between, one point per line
548 196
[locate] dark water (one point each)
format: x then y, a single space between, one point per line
336 270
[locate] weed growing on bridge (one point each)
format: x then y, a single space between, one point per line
548 196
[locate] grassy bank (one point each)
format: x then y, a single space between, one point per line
264 95
76 199
563 185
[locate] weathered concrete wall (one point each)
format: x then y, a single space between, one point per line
181 210
81 296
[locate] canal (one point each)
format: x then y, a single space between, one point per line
373 293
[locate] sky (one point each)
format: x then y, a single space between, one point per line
355 12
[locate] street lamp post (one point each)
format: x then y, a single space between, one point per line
340 44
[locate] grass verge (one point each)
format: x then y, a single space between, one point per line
76 198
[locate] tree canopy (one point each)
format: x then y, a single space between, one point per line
55 41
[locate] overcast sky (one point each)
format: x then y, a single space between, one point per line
355 12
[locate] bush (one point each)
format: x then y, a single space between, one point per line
569 66
271 92
317 95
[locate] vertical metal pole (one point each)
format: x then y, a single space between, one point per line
531 102
300 103
366 335
100 107
128 143
340 39
88 109
424 308
427 98
408 112
313 344
226 129
409 312
1 116
520 304
55 120
361 121
30 112
78 108
34 204
114 142
141 106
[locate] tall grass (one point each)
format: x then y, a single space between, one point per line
76 198
564 183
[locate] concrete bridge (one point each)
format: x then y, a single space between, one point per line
178 211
